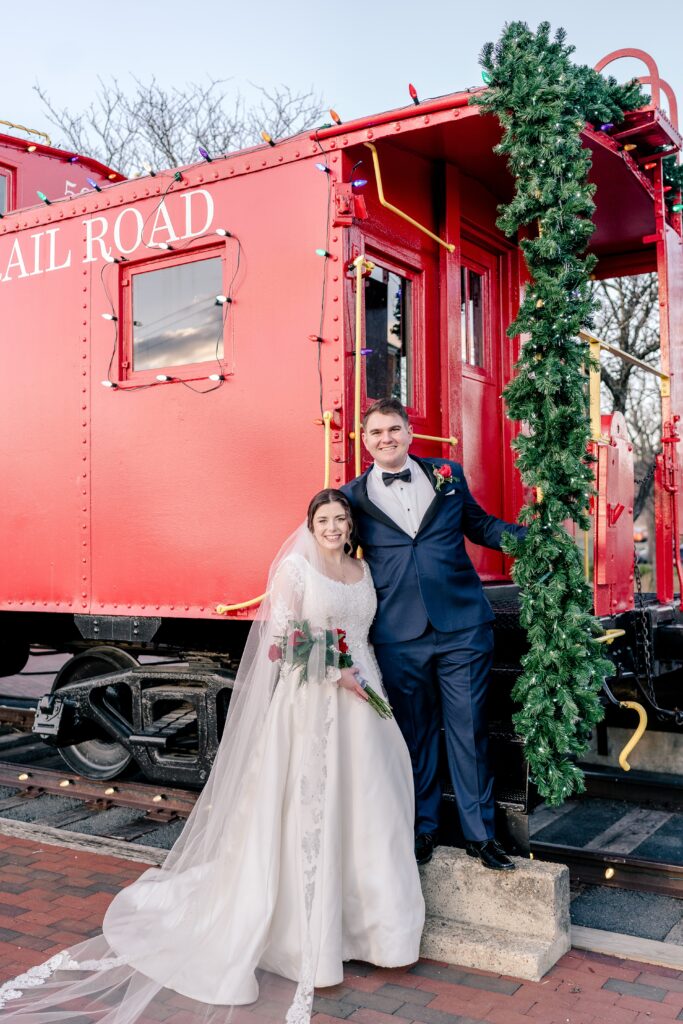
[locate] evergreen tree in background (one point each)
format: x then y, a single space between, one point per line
543 101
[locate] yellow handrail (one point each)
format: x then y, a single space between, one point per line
394 209
31 131
327 424
596 346
430 437
223 609
637 735
361 264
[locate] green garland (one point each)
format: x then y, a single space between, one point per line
543 101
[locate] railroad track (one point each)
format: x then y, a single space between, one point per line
37 786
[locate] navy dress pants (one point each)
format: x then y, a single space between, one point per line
445 673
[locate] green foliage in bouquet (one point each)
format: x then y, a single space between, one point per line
543 101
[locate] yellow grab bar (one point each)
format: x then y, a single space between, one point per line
394 209
430 437
361 264
637 735
222 609
609 636
327 424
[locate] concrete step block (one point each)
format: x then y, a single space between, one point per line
514 922
490 949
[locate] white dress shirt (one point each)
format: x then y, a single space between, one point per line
404 501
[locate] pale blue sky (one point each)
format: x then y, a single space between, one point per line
360 56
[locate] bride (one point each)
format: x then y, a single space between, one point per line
298 855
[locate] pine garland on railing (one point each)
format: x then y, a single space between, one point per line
543 101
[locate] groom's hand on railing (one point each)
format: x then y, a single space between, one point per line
349 680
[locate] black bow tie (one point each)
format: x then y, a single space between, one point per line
389 478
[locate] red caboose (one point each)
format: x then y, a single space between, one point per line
188 364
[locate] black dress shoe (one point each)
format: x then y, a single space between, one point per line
424 847
491 854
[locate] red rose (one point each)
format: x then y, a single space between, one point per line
274 652
343 646
297 637
445 471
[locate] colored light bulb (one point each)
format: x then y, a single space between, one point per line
73 159
31 149
93 184
359 183
486 77
112 176
677 207
267 138
322 252
324 168
335 116
204 154
606 126
43 198
413 94
630 146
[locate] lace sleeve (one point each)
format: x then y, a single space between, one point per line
287 594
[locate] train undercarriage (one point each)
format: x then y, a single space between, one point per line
150 696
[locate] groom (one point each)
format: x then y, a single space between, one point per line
432 633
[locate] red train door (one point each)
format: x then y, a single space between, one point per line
480 351
401 336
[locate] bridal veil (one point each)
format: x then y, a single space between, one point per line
168 949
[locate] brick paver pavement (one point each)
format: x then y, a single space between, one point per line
51 897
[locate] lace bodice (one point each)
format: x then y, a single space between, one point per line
312 595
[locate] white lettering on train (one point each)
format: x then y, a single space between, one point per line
105 237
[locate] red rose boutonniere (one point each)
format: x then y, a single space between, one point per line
442 474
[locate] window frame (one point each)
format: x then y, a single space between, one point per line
8 173
383 256
485 371
161 261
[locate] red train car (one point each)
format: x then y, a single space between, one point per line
184 361
29 167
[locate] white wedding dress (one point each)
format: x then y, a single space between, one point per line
305 863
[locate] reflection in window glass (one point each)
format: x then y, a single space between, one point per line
3 193
472 317
175 317
388 336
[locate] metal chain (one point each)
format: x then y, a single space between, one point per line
643 643
648 476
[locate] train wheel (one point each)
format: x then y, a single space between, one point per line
99 757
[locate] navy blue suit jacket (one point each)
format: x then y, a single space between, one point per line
428 579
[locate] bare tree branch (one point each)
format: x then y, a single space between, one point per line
129 125
628 317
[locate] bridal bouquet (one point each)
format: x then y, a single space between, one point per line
296 645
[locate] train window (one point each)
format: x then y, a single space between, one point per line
175 317
4 192
389 336
472 316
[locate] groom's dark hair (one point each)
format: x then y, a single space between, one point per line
387 406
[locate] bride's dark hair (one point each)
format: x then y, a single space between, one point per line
326 497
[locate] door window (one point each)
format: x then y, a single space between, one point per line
389 336
472 294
